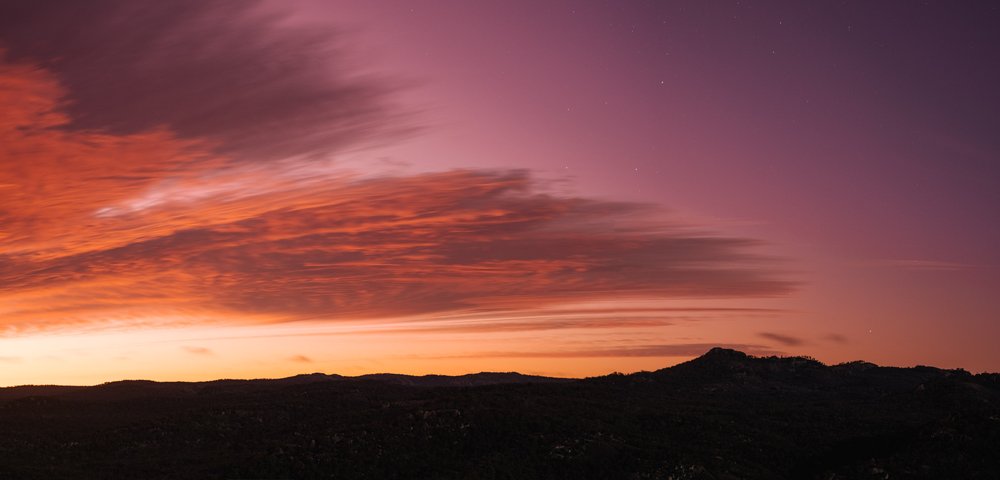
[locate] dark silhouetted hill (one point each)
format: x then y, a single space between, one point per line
724 415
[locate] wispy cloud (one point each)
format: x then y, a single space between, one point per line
917 264
836 338
198 350
300 359
655 350
786 340
621 316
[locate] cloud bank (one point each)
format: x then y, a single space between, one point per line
159 167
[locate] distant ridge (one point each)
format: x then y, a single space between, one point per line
723 415
469 380
716 365
123 389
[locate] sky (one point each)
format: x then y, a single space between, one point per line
193 190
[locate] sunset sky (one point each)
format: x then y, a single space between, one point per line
193 189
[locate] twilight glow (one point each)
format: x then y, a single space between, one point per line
203 189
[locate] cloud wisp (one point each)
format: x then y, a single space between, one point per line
786 340
198 351
921 265
654 350
836 338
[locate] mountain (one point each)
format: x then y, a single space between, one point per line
129 389
724 415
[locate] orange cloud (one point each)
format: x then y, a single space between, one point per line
148 228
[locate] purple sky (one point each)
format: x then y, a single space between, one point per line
860 139
564 188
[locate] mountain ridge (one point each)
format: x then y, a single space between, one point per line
718 363
723 415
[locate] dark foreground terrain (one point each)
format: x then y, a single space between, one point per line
722 416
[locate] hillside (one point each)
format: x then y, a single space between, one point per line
724 415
